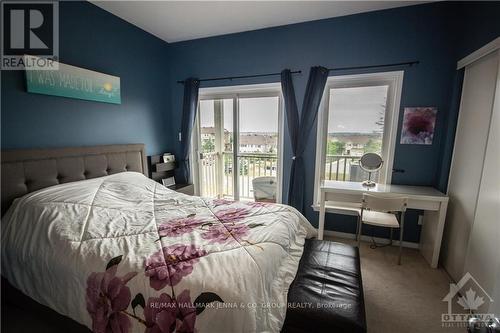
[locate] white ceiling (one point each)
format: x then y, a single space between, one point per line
175 21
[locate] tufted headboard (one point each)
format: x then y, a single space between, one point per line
25 171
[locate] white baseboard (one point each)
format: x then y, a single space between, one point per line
347 235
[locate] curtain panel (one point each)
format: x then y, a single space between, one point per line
299 130
189 106
292 116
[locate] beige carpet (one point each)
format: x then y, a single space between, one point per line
406 298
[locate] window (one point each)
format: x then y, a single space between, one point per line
358 115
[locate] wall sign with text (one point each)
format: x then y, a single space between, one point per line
74 82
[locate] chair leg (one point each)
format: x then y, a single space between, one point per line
357 228
360 223
401 237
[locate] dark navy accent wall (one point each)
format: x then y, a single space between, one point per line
428 33
476 25
94 39
436 34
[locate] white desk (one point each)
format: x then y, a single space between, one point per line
433 202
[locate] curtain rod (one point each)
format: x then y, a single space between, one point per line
408 63
240 77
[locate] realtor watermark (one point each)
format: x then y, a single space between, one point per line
253 305
466 299
30 35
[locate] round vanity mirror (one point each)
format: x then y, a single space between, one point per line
370 162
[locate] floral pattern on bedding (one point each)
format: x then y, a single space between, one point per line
108 297
138 257
168 266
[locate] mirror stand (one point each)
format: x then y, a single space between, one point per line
369 182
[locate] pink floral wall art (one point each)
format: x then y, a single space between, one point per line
418 125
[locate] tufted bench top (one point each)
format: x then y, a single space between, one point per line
327 293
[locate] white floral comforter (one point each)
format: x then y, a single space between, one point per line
123 253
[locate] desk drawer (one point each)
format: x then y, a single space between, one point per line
423 204
344 197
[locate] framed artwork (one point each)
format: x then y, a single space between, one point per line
74 82
418 126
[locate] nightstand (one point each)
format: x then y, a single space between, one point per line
183 188
159 170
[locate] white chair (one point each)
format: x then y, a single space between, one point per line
343 205
264 189
381 212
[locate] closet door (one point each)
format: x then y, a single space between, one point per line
468 158
483 260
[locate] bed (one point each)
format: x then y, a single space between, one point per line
88 235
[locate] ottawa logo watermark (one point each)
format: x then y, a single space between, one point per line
30 35
466 299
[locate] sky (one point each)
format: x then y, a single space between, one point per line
356 109
350 110
256 114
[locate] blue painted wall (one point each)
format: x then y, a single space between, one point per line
474 25
94 39
435 34
432 34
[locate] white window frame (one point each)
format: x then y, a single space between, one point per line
394 80
234 93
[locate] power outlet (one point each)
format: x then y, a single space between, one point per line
420 219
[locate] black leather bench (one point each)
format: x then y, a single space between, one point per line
327 293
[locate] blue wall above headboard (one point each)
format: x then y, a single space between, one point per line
92 38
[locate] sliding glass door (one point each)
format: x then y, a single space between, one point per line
238 145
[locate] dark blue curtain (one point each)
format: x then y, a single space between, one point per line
189 106
299 130
292 116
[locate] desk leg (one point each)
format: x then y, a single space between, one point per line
432 234
321 226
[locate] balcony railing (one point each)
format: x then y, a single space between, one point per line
208 174
218 171
346 168
338 167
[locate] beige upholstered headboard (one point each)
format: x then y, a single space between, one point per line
25 171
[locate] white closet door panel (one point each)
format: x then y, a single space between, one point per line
483 255
468 156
